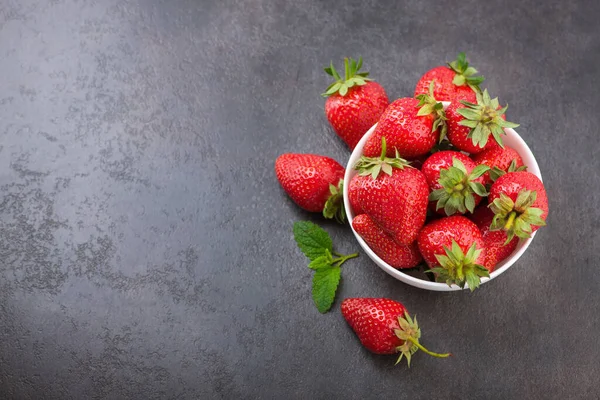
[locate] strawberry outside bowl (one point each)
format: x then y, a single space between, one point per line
418 278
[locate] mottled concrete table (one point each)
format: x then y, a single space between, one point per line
146 248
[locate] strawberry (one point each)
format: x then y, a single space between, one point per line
500 160
470 125
384 326
455 181
452 83
454 250
354 103
496 247
353 190
520 204
409 126
398 256
315 183
397 199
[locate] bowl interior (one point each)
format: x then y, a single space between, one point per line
418 279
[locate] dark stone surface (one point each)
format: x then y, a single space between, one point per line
146 248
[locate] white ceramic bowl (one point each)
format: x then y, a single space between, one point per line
512 139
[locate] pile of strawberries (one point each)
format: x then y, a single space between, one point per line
433 184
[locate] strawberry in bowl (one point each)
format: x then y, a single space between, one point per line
511 216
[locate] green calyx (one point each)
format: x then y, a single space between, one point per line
429 105
459 268
375 165
352 77
484 119
516 218
410 333
496 172
458 188
334 207
465 75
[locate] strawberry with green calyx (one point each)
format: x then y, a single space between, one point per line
520 204
396 255
405 130
455 180
395 199
470 125
497 248
354 102
384 326
454 82
500 160
453 248
315 183
316 244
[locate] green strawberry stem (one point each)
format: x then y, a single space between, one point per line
516 218
510 221
496 172
374 165
484 119
334 207
460 268
431 353
352 77
465 73
410 333
429 105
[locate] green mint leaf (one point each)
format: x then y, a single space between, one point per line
312 240
321 262
325 284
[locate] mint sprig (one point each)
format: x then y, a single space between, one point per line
316 244
312 240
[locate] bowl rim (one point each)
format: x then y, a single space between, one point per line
532 167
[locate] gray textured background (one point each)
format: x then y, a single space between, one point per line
146 248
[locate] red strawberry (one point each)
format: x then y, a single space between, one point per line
353 190
452 83
409 126
397 199
500 160
314 182
384 326
520 203
471 125
354 102
455 181
398 256
454 250
496 248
